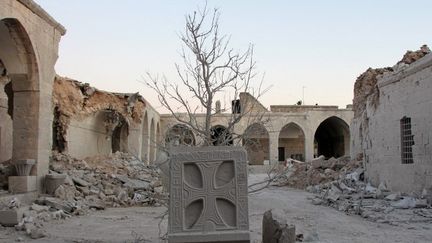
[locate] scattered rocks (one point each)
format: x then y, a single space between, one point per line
276 229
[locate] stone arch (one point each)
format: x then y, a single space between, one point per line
158 134
332 138
291 142
152 152
180 134
119 137
145 139
21 70
256 141
221 136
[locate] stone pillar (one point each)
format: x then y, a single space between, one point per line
309 146
32 122
273 146
134 139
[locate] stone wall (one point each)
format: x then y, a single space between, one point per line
308 120
402 91
29 40
92 122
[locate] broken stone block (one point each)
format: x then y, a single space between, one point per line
54 203
21 184
333 194
37 233
405 203
421 203
275 228
393 197
80 182
208 195
11 217
311 236
53 181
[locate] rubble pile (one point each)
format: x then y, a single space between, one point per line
107 181
319 171
95 183
349 193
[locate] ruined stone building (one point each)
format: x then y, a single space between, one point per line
281 132
89 122
391 128
29 40
41 112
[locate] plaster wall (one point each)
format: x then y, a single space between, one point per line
88 137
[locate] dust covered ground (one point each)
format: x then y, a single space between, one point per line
318 223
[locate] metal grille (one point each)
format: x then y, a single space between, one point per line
407 141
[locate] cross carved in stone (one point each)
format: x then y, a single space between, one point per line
213 193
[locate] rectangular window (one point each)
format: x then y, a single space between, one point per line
407 140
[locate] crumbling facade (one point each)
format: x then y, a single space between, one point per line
391 127
29 40
89 122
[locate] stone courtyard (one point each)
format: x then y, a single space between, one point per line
80 164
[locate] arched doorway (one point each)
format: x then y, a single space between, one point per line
220 136
332 138
152 141
179 134
145 139
256 143
120 135
291 143
19 85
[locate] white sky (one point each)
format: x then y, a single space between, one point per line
321 45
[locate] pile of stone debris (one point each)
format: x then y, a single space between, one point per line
95 183
113 181
350 193
318 171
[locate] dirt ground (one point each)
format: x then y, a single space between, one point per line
141 224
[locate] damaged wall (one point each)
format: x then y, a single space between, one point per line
6 96
403 91
92 122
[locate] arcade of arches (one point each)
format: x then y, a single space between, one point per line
330 138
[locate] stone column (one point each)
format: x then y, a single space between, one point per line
273 146
134 139
30 139
309 146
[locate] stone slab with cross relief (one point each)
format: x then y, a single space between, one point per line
208 195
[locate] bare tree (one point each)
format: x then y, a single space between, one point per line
210 68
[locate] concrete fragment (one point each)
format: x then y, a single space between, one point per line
55 203
393 197
421 203
311 236
275 228
39 208
11 217
405 203
37 233
80 182
333 194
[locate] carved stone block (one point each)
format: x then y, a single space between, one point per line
208 195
